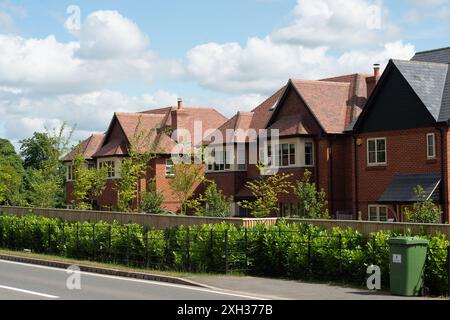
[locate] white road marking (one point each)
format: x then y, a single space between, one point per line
141 281
30 292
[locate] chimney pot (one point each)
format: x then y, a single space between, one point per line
180 103
376 70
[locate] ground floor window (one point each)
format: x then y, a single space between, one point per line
288 209
378 213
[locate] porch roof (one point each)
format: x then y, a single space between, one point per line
402 188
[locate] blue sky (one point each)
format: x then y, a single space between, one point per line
133 55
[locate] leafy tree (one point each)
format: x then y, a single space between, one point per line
267 190
89 183
213 203
45 190
187 176
142 148
45 175
312 204
152 199
424 210
38 150
11 175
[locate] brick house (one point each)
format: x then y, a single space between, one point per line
312 118
165 127
402 138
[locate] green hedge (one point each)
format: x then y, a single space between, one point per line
293 251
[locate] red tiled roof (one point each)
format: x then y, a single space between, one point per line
288 126
327 101
87 148
262 113
112 148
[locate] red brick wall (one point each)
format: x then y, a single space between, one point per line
406 154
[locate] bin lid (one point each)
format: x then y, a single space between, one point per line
407 241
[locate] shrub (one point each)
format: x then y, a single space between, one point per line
295 251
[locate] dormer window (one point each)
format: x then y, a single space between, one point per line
274 105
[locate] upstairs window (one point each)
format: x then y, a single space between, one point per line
111 165
376 151
431 146
309 154
286 155
225 160
169 168
70 173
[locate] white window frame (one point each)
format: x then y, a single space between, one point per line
169 168
112 174
432 156
69 172
376 163
377 208
312 154
221 163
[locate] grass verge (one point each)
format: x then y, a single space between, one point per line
110 265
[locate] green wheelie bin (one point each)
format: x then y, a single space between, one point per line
407 265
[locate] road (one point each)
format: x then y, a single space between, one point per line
20 281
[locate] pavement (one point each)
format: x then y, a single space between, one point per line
294 290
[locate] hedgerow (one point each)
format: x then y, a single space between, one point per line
292 251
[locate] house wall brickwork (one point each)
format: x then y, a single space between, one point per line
406 154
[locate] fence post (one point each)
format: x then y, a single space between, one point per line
128 246
309 250
63 239
110 243
49 249
211 256
93 242
226 251
146 246
246 249
188 253
448 269
340 253
1 234
78 239
374 249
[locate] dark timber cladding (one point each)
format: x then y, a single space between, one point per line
395 106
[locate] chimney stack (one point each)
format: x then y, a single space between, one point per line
180 103
376 70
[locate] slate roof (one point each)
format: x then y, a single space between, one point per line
441 55
402 188
428 80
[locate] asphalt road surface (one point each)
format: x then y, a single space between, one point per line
20 281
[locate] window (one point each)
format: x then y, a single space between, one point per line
70 175
309 156
225 160
431 146
169 168
286 155
378 213
111 165
376 151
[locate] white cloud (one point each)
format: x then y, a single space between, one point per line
302 49
338 23
21 116
109 35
